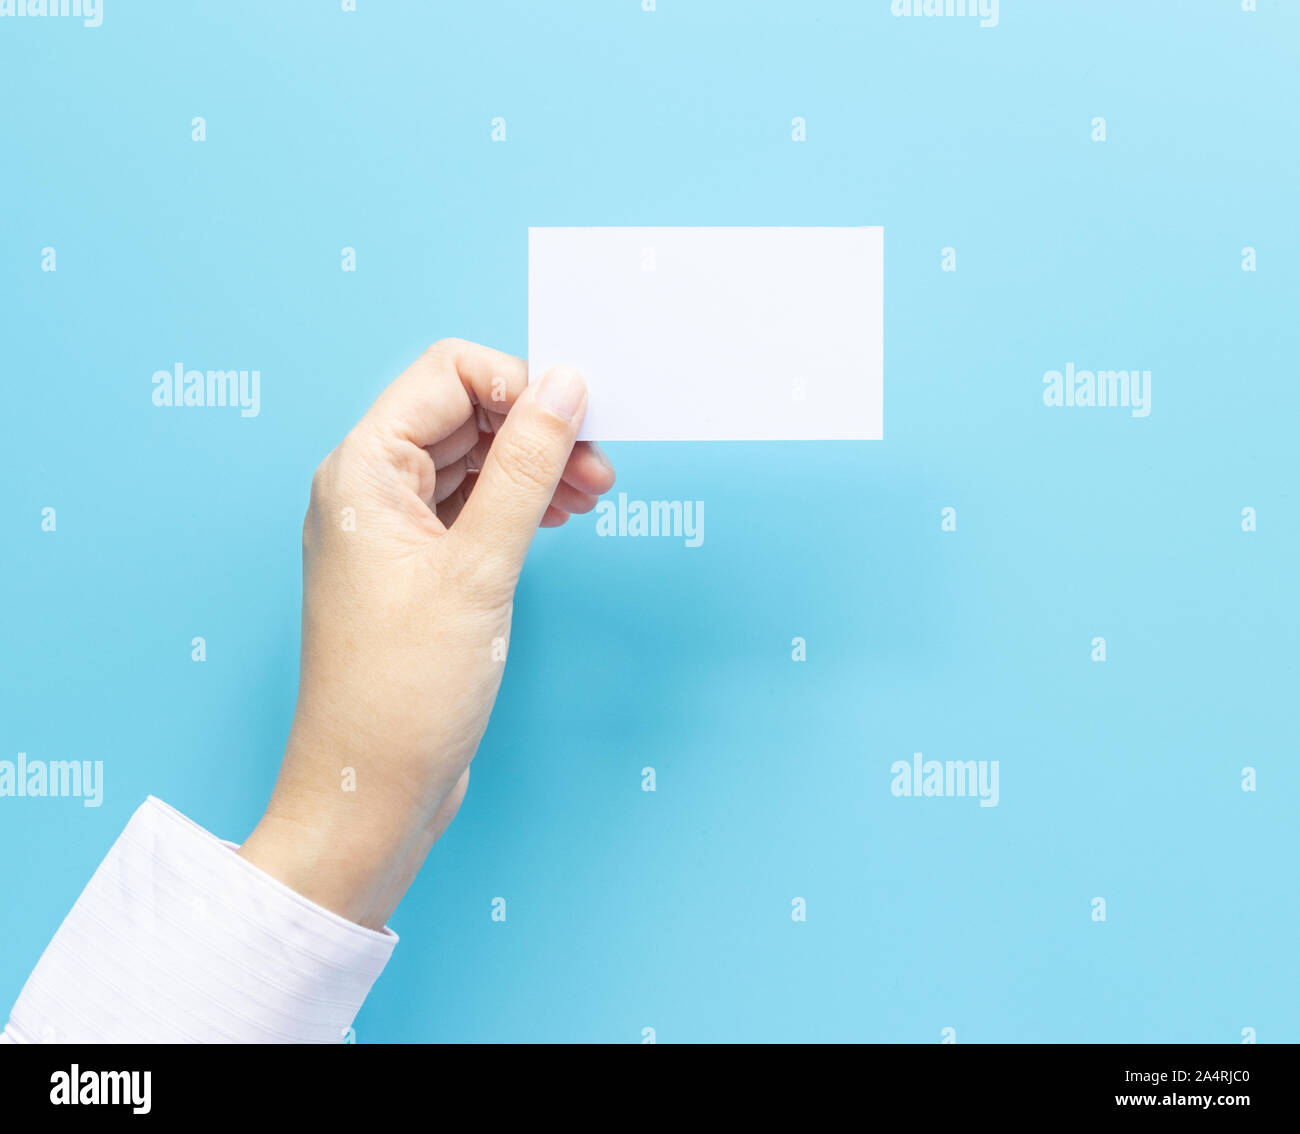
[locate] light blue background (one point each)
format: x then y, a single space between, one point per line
672 910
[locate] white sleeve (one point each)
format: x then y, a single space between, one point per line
177 939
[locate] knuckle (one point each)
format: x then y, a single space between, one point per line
317 503
361 447
319 478
308 532
328 477
324 478
445 348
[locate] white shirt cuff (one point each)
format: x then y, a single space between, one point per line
177 939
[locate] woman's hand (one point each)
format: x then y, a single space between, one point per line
415 535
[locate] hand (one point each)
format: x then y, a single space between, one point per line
414 538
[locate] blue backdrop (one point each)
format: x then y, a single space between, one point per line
675 909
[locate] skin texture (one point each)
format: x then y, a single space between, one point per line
413 542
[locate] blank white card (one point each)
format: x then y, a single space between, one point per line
714 334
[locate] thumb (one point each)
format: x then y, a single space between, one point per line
523 466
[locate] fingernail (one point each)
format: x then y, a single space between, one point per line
561 392
600 455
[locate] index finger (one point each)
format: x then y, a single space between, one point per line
437 393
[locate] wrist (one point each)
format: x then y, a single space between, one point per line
360 875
